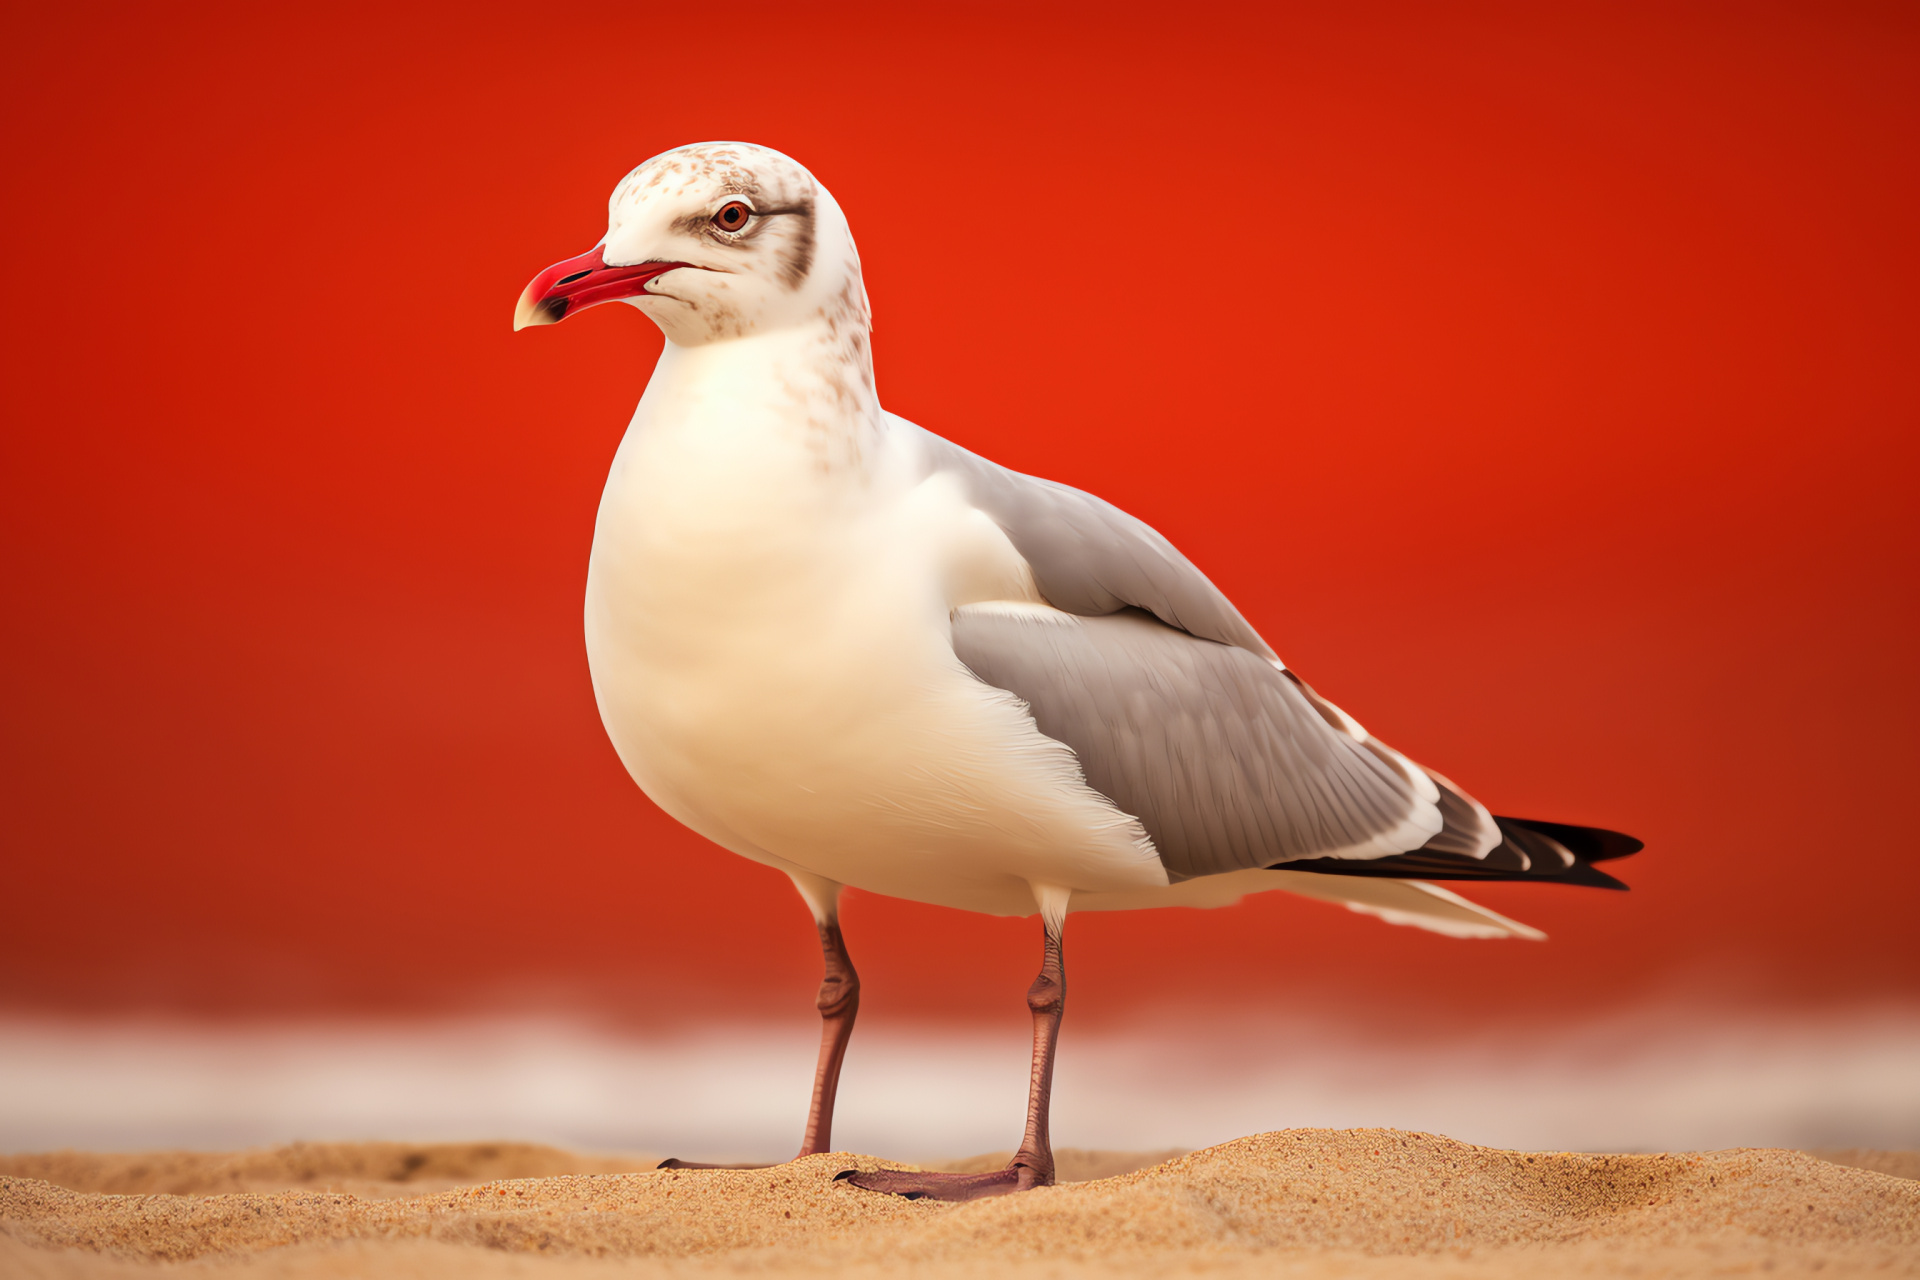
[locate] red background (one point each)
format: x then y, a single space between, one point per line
1539 379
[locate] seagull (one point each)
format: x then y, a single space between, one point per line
844 647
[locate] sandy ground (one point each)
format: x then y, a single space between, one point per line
1308 1203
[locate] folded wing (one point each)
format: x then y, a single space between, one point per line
1223 759
1184 717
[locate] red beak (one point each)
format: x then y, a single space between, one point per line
579 283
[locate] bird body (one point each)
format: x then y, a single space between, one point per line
770 645
842 646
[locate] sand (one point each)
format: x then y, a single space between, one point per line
1309 1203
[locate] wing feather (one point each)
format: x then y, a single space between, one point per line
1089 557
1213 749
1184 717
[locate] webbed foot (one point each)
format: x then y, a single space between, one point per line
672 1163
956 1187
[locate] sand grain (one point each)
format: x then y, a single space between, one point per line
1301 1202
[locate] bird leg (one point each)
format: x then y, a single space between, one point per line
1032 1164
1047 999
838 1002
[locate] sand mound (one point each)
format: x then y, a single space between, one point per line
385 1170
1898 1164
1314 1202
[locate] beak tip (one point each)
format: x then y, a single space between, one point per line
535 310
526 311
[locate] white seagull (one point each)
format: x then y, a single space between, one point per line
839 645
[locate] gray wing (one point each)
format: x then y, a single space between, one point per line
1088 556
1226 762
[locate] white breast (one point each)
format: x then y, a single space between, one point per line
767 627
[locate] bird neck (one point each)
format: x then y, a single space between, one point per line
805 390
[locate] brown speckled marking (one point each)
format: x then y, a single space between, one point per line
797 256
845 372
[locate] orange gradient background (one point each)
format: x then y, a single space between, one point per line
1540 380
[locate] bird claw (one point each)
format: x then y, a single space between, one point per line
911 1184
673 1162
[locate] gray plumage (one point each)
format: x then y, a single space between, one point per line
1182 716
1088 556
1186 722
1223 759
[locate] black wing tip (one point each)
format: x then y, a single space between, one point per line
1587 876
1582 874
1589 844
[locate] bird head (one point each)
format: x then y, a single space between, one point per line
713 241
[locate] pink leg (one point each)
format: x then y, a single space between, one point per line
1032 1165
838 1002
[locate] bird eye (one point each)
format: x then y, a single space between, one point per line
733 215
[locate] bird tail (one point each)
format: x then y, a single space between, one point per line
1408 902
